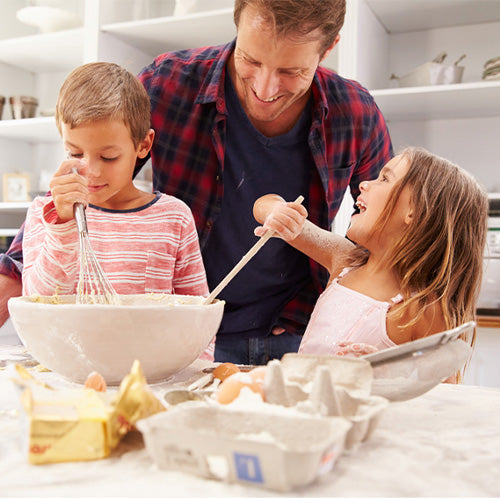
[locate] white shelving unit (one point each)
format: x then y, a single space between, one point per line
379 38
152 36
44 53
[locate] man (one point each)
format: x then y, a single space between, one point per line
256 116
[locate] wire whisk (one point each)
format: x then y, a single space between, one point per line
93 285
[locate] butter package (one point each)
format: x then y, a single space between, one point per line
65 425
81 424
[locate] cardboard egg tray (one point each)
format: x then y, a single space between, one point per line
315 408
280 451
327 386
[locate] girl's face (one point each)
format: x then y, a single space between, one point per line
111 156
372 201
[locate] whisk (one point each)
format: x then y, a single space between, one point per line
93 285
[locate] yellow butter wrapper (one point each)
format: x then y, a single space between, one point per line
65 425
134 401
81 424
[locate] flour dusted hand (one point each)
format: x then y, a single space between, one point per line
286 219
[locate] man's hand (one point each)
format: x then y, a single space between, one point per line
9 287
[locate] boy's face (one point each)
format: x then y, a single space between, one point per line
109 151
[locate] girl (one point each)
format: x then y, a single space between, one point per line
416 267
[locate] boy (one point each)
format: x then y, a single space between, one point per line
145 242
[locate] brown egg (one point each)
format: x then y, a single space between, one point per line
96 381
230 388
224 370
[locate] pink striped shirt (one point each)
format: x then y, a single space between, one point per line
153 248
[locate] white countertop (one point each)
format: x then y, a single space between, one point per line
445 443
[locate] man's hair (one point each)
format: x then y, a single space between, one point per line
299 17
101 90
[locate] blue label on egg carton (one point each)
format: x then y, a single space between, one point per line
248 468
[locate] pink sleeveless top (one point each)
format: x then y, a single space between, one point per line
344 315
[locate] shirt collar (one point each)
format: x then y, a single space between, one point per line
212 88
320 110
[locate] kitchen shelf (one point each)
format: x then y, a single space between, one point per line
400 16
14 206
8 232
438 102
155 36
41 129
47 52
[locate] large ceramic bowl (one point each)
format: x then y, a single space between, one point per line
165 333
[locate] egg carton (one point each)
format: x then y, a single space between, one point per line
328 386
278 450
316 408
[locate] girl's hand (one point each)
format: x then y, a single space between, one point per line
354 349
69 186
286 219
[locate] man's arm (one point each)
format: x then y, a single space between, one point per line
9 287
10 274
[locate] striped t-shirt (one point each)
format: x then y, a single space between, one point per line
153 248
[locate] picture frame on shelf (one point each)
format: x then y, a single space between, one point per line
16 187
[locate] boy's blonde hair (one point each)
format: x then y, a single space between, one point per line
440 255
101 90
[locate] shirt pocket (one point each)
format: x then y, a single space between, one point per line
159 273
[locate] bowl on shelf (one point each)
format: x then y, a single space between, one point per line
23 106
47 18
164 332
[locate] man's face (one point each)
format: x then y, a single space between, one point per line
272 75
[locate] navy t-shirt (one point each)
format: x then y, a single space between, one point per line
255 165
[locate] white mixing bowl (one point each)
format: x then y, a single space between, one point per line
165 333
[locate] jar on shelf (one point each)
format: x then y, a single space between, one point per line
23 106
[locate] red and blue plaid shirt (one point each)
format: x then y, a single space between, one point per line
348 138
349 142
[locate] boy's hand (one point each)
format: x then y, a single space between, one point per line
286 219
69 186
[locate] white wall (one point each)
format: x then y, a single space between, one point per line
471 143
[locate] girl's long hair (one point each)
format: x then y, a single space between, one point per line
440 255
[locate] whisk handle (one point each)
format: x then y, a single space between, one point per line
81 219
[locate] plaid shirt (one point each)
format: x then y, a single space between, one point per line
348 138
